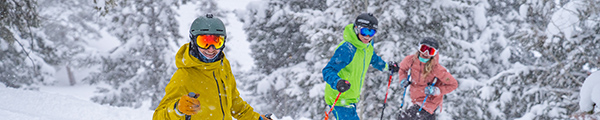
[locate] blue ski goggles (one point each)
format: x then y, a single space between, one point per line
364 31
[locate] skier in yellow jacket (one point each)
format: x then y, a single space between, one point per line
202 68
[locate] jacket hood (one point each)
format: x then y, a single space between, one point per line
351 37
184 59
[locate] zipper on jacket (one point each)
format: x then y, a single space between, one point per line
363 72
219 90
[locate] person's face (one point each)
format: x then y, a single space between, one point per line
210 45
210 53
424 55
365 39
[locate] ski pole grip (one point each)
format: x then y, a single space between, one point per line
192 94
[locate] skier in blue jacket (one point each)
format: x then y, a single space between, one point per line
346 70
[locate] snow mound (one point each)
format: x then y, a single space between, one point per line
590 93
34 105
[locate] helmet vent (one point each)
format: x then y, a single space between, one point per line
203 29
219 30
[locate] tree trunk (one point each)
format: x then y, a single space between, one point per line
71 77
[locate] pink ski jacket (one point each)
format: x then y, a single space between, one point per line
445 81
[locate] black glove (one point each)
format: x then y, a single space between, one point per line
393 66
343 85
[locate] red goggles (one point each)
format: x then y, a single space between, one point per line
425 49
205 41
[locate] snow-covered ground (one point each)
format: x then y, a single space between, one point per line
16 104
34 105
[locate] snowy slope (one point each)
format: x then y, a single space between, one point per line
18 104
33 105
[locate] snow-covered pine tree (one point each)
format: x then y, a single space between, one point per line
39 40
479 49
18 67
278 39
560 40
293 86
142 65
279 49
71 29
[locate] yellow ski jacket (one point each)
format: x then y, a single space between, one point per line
219 97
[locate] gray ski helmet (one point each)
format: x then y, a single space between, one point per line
207 25
366 20
429 41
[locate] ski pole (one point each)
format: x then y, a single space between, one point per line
336 99
268 115
386 94
404 94
425 100
193 95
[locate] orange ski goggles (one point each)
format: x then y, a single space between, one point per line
205 41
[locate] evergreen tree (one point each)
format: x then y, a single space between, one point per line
142 65
18 68
291 43
278 40
70 29
555 54
42 39
479 50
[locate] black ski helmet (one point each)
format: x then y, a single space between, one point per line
429 41
366 20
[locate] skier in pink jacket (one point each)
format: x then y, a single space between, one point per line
424 69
